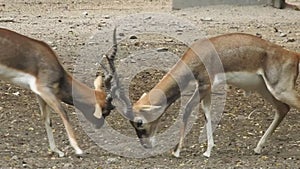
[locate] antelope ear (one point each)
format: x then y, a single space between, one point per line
149 107
98 83
98 111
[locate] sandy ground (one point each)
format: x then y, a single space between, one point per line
67 26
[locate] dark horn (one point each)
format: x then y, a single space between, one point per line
113 85
109 76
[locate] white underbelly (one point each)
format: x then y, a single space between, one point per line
244 80
22 79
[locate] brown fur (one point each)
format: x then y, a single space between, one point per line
54 84
274 70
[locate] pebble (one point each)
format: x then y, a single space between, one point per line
147 18
24 164
290 40
169 40
14 157
283 35
162 49
106 16
133 37
85 13
206 19
16 93
7 20
179 30
258 35
68 165
137 44
100 25
112 160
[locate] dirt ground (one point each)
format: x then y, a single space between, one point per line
67 25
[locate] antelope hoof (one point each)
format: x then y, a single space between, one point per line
176 153
206 154
58 152
79 153
257 150
61 154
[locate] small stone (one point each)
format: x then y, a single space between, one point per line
258 35
14 157
133 37
121 34
137 44
290 40
7 20
283 34
169 40
68 165
100 25
106 16
179 30
206 19
112 160
264 157
85 13
147 18
16 93
24 164
162 49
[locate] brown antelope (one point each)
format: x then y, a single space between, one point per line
34 65
249 62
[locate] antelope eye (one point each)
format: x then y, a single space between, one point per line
139 123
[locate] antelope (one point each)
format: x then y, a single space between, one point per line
249 62
32 64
